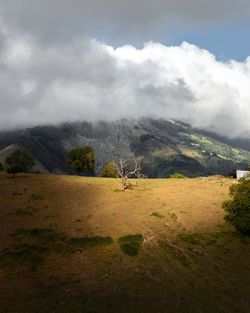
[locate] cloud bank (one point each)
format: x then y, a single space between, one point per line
83 79
147 19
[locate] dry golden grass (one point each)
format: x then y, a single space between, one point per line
190 259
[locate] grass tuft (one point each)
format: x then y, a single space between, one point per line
34 233
131 244
35 197
199 238
157 214
16 193
28 211
24 254
173 216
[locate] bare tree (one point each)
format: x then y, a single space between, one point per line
125 171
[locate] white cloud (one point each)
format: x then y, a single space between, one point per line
87 80
18 52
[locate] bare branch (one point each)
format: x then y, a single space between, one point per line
136 170
125 172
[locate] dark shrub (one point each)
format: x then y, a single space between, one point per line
238 208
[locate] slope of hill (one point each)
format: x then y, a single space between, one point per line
73 244
165 146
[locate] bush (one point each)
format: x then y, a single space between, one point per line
177 176
238 208
1 167
109 170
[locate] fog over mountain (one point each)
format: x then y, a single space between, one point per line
50 76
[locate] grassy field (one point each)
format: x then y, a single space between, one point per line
73 244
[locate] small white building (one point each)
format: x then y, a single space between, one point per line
241 174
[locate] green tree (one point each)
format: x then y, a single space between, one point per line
82 159
1 167
238 208
110 170
20 161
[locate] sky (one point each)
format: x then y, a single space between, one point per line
74 60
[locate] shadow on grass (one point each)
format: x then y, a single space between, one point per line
212 238
17 177
31 246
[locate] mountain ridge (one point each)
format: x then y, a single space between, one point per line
165 146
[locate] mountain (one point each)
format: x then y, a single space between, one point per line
165 146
